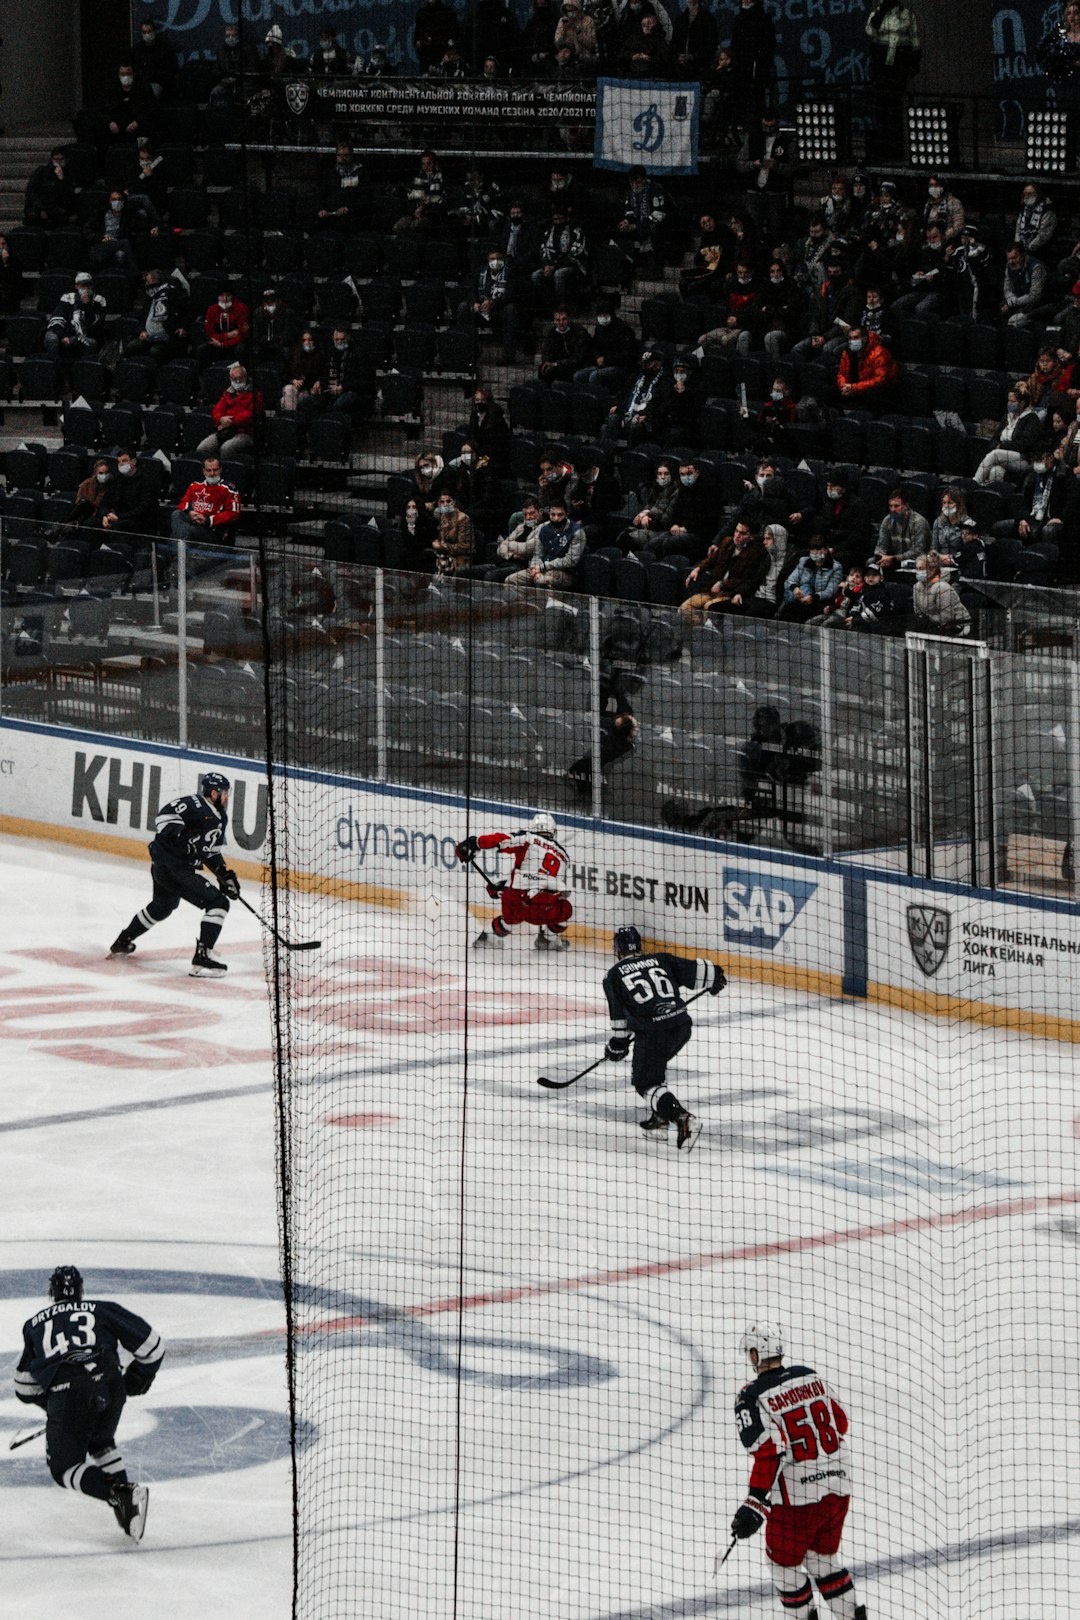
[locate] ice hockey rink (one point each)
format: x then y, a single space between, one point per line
542 1307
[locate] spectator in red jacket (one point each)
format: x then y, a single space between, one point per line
208 509
867 369
235 416
227 323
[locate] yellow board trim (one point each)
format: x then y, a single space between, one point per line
781 975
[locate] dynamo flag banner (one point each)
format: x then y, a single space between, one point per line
647 122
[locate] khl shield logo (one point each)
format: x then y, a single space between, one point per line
649 125
758 908
296 95
928 935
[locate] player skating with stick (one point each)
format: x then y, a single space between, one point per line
800 1483
534 893
644 997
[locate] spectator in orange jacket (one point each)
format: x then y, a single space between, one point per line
867 369
226 323
208 509
235 416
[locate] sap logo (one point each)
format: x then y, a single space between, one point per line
758 909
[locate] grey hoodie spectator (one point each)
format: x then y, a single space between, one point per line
938 609
902 534
553 551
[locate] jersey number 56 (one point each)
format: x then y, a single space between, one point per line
649 984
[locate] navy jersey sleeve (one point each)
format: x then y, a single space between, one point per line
27 1387
616 1010
748 1418
688 972
191 830
137 1336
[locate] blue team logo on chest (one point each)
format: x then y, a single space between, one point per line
758 908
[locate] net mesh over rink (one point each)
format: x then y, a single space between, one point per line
514 1316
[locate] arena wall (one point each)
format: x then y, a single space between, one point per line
793 921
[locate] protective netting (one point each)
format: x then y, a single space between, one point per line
514 1315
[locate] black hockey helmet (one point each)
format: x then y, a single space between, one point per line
66 1283
211 780
627 942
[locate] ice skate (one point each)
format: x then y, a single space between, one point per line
122 945
550 942
484 938
129 1503
688 1129
205 966
653 1123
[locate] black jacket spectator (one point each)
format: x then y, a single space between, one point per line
844 520
11 279
130 504
344 194
436 25
695 39
50 194
565 348
489 431
753 47
154 61
130 112
538 39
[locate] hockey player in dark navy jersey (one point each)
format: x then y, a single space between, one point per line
189 834
70 1366
644 997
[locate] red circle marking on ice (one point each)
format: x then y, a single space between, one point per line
360 1121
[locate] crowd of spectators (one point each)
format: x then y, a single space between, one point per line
771 438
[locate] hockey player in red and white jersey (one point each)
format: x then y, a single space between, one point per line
800 1483
535 891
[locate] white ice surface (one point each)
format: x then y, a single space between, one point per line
586 1466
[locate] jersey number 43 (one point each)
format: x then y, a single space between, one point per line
82 1336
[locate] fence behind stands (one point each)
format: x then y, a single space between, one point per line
948 759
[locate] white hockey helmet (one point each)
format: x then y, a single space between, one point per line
543 823
767 1338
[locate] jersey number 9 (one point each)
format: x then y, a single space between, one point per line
551 864
811 1432
649 984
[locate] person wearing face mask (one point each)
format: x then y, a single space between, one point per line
644 53
328 60
753 54
518 238
1052 380
974 279
695 40
929 279
467 477
1020 434
576 32
344 195
307 370
51 198
614 348
781 559
834 308
208 510
640 232
236 417
495 308
948 525
867 372
273 331
129 506
489 431
154 60
125 220
811 254
415 528
236 63
656 505
1037 221
844 521
741 316
563 273
593 497
131 113
162 316
769 430
944 210
427 473
89 498
782 304
765 499
938 609
226 326
835 206
76 327
637 416
552 552
564 349
812 583
454 544
1028 548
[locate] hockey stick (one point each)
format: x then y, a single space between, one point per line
23 1437
289 944
561 1085
718 1562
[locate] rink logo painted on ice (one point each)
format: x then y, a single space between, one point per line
928 931
759 909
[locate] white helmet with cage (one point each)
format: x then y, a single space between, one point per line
543 823
767 1338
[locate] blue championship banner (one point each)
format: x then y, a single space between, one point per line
647 123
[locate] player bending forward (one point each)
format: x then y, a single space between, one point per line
70 1366
189 834
796 1431
644 999
535 890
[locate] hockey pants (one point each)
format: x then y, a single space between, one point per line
82 1417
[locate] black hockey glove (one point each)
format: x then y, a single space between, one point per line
719 983
137 1379
617 1047
229 883
495 889
466 850
747 1521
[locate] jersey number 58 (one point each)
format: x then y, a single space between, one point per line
811 1431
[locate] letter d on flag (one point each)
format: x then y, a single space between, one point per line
646 123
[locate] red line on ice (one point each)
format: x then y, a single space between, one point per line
717 1257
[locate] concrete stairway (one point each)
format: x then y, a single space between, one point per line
22 150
